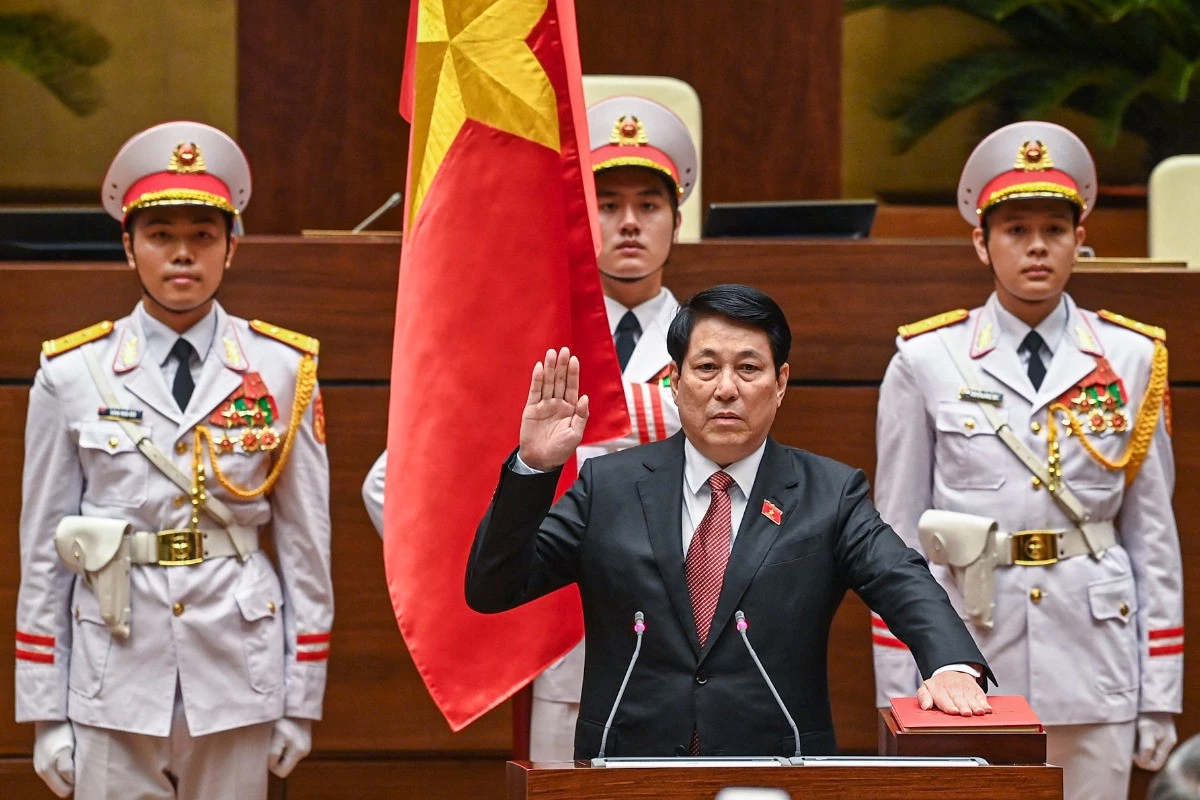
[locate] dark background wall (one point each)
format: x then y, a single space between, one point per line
319 83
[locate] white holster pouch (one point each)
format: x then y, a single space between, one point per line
966 544
97 548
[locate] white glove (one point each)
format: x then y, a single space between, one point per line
54 755
290 741
1155 738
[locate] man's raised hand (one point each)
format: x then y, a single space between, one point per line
555 415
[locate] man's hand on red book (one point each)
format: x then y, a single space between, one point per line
954 693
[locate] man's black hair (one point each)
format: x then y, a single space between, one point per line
744 305
225 214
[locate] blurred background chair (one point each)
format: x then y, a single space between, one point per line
1174 202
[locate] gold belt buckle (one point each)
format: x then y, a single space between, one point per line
1035 548
180 548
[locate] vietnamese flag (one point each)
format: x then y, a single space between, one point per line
498 266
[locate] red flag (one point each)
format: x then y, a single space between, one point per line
498 266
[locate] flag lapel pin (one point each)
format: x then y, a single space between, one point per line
772 512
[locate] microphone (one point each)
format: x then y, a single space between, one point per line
741 626
639 627
388 205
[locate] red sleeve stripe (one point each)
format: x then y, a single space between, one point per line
29 655
30 638
887 641
1166 633
313 638
1167 650
639 405
313 655
660 422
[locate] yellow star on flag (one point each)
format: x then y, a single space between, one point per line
472 62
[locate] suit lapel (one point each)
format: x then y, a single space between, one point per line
140 377
756 534
661 493
1075 359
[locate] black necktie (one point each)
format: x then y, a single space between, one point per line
628 330
1032 344
181 351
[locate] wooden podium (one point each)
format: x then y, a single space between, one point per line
580 781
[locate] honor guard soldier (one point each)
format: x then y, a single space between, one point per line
644 162
160 653
1025 447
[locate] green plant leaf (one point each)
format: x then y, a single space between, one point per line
58 52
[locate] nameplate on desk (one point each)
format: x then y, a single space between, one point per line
682 762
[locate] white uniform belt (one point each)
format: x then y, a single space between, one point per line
183 547
1042 547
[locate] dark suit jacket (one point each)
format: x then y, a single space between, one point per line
617 533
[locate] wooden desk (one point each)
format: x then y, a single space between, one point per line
554 781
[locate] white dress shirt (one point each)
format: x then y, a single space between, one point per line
646 312
1052 329
160 339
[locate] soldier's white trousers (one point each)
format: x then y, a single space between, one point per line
1096 759
552 730
112 765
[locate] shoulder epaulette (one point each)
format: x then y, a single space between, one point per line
932 323
300 341
56 347
1151 331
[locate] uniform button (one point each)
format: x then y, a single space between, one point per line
179 500
113 442
77 612
1036 427
181 447
1036 595
177 609
1124 609
701 678
271 607
1037 482
969 423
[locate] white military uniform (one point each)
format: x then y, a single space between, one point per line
1092 643
653 416
240 646
220 653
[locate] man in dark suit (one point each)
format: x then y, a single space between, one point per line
772 531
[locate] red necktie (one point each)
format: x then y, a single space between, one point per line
708 555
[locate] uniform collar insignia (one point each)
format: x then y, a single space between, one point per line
129 350
230 350
983 340
1084 335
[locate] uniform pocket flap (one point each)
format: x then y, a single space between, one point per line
107 436
1115 598
259 600
966 419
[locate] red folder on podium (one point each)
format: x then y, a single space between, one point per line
1010 714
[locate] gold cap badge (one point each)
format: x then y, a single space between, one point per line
1033 155
186 159
628 130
